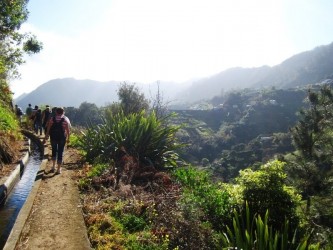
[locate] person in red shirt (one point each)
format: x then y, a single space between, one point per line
58 129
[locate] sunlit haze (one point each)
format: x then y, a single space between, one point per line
175 40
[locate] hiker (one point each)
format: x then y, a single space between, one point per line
59 130
38 121
46 114
28 112
19 113
53 112
32 117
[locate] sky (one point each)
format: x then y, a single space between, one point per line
166 40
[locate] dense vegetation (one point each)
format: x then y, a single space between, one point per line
12 47
149 201
250 128
256 190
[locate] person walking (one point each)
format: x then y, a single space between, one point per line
32 117
28 113
19 113
53 111
46 114
38 122
58 129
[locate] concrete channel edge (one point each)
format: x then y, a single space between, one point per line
25 211
10 182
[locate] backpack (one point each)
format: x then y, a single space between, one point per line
47 115
28 111
38 115
57 130
19 112
33 114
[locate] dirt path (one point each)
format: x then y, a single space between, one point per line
56 220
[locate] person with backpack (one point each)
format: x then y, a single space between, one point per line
58 129
38 121
28 112
32 117
19 113
46 114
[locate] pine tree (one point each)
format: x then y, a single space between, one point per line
313 140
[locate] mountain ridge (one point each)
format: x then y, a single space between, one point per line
70 92
305 68
299 70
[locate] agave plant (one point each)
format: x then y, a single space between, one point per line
255 233
145 137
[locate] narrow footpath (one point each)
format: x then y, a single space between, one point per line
52 216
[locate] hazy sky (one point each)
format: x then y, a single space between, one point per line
178 40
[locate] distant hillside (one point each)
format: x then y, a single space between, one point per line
69 92
302 69
20 97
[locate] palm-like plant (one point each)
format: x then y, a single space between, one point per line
142 136
255 233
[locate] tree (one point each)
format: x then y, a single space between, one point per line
12 14
159 107
131 100
88 113
313 140
12 47
12 43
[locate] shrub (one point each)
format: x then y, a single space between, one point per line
265 189
74 139
8 123
9 133
105 232
208 199
145 240
97 170
133 223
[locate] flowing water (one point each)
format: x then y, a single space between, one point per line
17 197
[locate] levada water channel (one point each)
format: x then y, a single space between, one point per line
17 197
